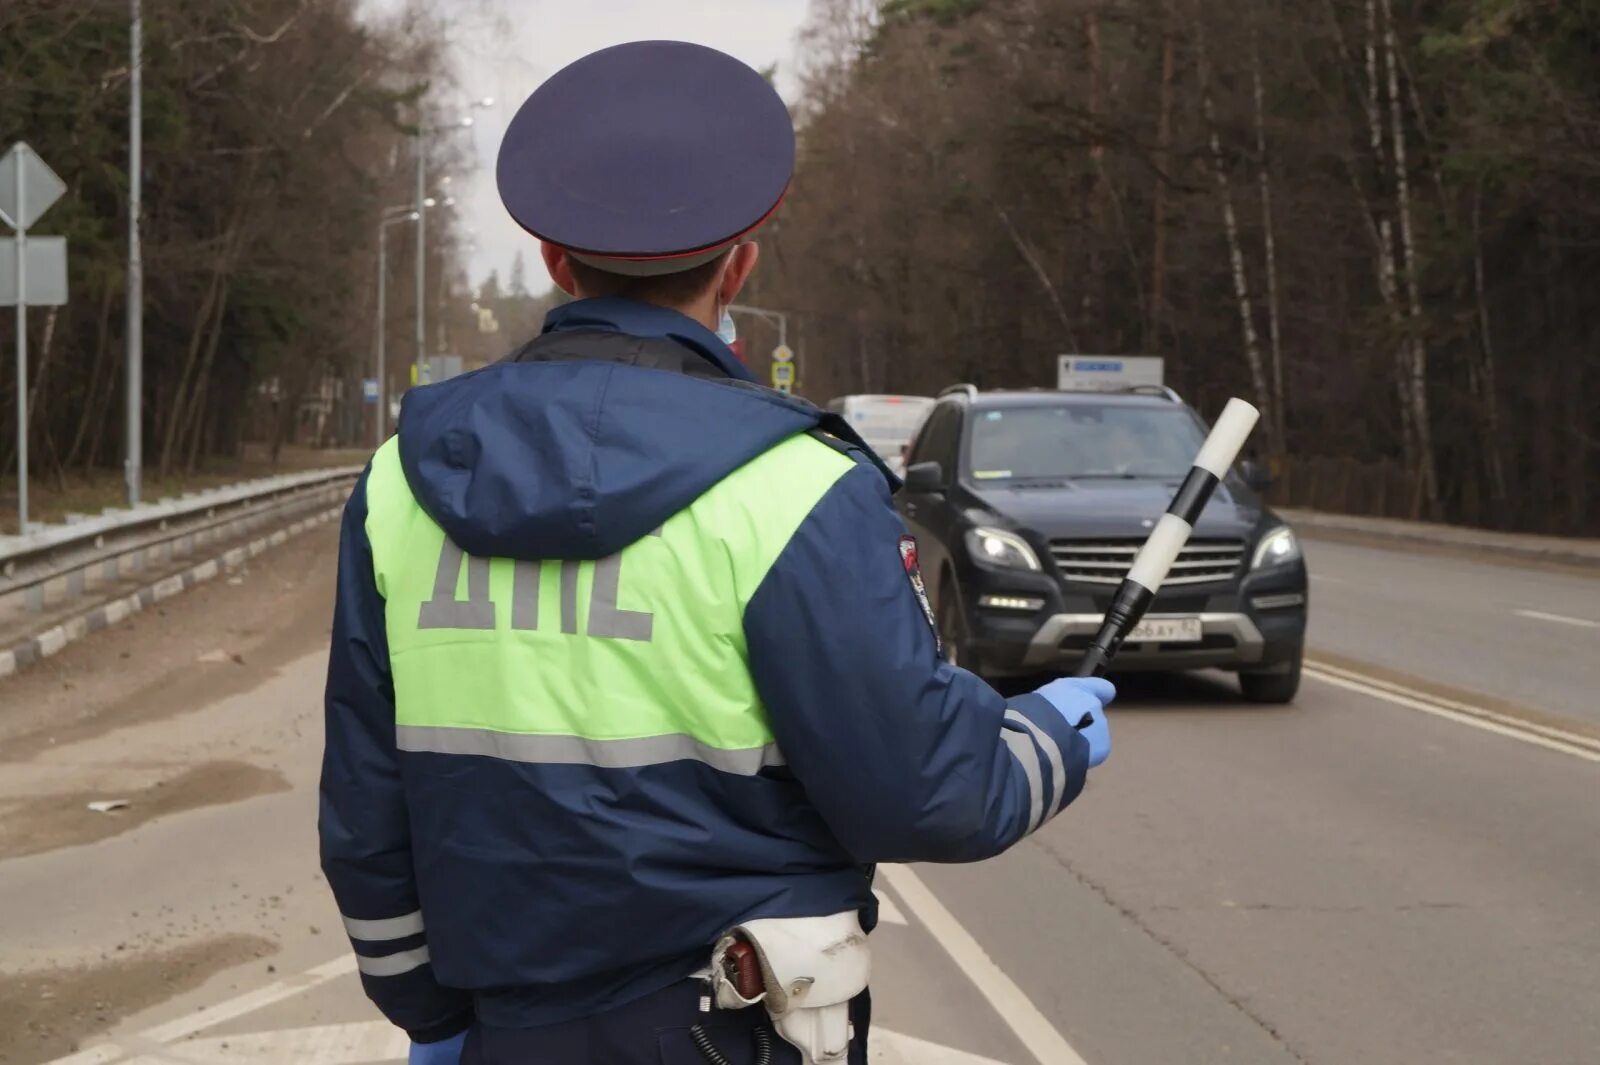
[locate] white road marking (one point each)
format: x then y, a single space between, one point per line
363 1042
1323 578
1014 1007
221 1012
99 1055
323 1044
202 1019
1549 737
892 1048
1561 619
888 912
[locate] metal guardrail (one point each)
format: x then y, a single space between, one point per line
53 561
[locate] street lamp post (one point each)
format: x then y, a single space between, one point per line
394 216
132 459
422 262
779 317
420 203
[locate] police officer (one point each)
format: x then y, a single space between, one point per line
630 651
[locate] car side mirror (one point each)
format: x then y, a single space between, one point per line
1258 475
925 477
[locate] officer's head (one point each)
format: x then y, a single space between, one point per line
701 291
644 170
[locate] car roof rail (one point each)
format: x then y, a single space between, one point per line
970 391
1155 390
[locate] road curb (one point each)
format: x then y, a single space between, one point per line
1528 548
40 645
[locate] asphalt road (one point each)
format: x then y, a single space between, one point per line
1361 877
1522 634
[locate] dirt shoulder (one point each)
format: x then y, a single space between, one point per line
47 1011
280 609
179 710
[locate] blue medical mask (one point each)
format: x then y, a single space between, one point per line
727 332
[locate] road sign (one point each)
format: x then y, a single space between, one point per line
783 373
783 353
27 189
22 170
444 367
369 390
1100 373
46 270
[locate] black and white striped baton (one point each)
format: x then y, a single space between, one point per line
1155 558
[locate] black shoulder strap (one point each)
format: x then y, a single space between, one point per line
838 434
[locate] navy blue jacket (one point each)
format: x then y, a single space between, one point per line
891 754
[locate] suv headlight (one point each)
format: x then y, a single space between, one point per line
1000 548
1276 548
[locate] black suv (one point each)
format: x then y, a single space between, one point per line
1028 508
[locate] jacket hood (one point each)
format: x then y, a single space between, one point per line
587 439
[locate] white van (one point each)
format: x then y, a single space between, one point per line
886 423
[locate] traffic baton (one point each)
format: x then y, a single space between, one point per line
1155 558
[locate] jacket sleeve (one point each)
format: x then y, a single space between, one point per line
906 757
364 829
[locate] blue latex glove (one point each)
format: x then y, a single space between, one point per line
444 1052
1080 697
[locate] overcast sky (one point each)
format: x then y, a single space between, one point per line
508 51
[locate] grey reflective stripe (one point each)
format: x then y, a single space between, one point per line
576 750
393 964
1058 771
387 928
1027 756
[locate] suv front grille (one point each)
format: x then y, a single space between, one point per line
1108 561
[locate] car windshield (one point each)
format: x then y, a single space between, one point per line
1086 439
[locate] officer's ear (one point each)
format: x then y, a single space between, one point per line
560 267
741 264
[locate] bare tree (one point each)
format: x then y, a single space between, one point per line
1230 224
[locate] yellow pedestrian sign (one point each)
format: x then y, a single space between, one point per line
783 375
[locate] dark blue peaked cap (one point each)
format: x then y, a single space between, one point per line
649 157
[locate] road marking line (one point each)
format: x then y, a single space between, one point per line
1323 578
323 1044
892 1048
888 912
999 990
99 1055
1540 615
359 1042
209 1016
1555 739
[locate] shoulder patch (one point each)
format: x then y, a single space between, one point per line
908 556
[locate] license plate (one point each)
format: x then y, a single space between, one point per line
1166 630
